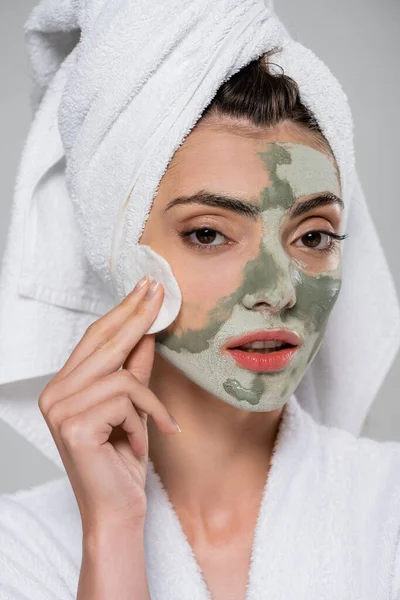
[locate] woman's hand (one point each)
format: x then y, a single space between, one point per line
97 413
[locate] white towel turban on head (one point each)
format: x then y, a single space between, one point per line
118 85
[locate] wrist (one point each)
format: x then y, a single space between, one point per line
113 562
109 532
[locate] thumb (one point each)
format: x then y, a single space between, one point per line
141 358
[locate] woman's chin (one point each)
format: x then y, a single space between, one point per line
241 389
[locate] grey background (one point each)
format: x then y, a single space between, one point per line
359 41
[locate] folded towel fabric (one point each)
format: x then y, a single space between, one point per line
328 527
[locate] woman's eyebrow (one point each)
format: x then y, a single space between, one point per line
236 205
250 209
323 199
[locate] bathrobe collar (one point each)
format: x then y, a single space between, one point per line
167 547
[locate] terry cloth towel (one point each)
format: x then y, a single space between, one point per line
327 528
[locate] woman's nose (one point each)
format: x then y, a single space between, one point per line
274 303
273 291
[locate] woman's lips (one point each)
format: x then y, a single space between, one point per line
261 361
255 361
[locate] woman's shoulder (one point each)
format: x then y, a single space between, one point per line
364 472
364 457
358 450
40 495
49 508
348 458
39 541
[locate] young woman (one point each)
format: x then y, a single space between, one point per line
230 490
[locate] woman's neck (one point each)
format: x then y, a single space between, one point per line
218 465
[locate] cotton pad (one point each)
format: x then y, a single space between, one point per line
141 261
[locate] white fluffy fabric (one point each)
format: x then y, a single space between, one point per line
328 527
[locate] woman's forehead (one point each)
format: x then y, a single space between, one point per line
227 163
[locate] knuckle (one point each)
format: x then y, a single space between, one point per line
107 345
71 432
141 310
142 373
125 378
44 401
93 328
121 403
53 414
126 403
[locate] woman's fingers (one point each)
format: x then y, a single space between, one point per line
92 427
140 360
111 353
119 383
97 412
104 328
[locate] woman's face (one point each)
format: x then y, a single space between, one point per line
239 216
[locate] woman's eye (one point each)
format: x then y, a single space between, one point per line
203 237
319 240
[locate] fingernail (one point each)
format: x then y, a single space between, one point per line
141 282
152 289
136 288
175 423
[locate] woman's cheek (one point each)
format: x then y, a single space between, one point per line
204 288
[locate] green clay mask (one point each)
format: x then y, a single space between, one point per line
273 276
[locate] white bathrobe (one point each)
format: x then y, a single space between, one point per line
328 527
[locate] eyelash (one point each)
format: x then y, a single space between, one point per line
335 239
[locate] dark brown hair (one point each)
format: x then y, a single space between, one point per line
254 94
